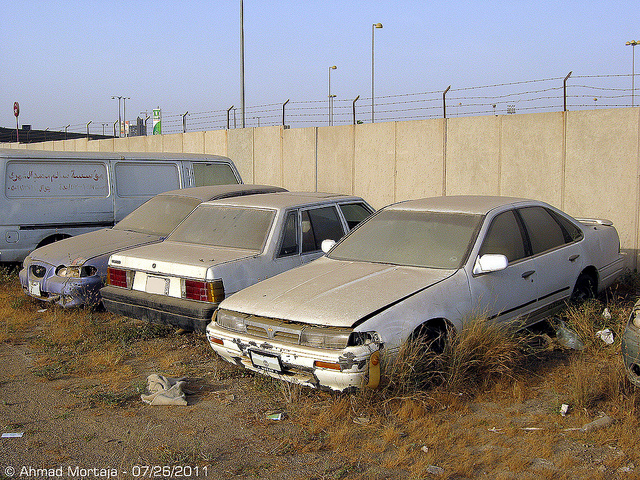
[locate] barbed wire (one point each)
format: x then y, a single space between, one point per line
548 94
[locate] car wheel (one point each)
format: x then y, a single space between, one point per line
432 335
584 289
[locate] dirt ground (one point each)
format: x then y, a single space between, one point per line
224 433
512 431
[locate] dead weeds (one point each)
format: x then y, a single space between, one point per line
488 406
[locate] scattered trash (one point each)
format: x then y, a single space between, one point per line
605 335
164 391
532 429
603 421
42 310
13 435
567 337
275 416
361 420
627 468
606 314
564 409
495 430
425 449
433 470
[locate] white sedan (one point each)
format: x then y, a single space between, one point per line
414 268
222 247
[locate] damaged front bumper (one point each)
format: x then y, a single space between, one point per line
322 368
64 291
631 346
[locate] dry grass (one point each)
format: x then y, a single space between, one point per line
487 407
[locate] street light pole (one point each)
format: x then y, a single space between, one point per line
124 105
373 29
119 97
242 62
633 44
330 98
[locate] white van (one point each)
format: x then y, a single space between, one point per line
49 196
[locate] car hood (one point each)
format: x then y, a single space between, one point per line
75 250
333 292
179 259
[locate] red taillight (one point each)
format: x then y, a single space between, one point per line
117 277
204 291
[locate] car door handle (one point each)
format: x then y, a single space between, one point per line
528 273
573 258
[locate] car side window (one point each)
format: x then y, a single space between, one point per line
504 237
572 232
545 233
320 224
290 236
354 213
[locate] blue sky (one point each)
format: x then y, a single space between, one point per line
63 61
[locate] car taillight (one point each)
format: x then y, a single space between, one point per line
117 277
204 291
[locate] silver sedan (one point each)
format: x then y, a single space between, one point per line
414 268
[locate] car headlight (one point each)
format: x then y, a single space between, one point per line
232 320
635 317
362 338
325 337
76 271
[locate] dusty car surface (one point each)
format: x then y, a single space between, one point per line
631 346
71 272
221 248
415 268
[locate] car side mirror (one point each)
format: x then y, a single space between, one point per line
490 262
327 245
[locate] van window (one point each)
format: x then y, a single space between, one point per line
213 174
137 179
33 179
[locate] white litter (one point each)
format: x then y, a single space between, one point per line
164 391
13 435
564 409
606 314
605 335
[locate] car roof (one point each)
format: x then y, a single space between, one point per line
471 204
213 192
283 200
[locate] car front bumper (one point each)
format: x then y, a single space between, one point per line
631 347
181 313
297 363
64 291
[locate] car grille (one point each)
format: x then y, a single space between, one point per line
38 271
279 330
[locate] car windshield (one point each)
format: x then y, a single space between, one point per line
225 226
159 215
412 238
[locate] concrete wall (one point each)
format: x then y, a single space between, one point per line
585 162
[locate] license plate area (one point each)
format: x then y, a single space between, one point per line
157 285
265 361
34 288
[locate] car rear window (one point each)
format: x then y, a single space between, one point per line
159 215
226 226
412 238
